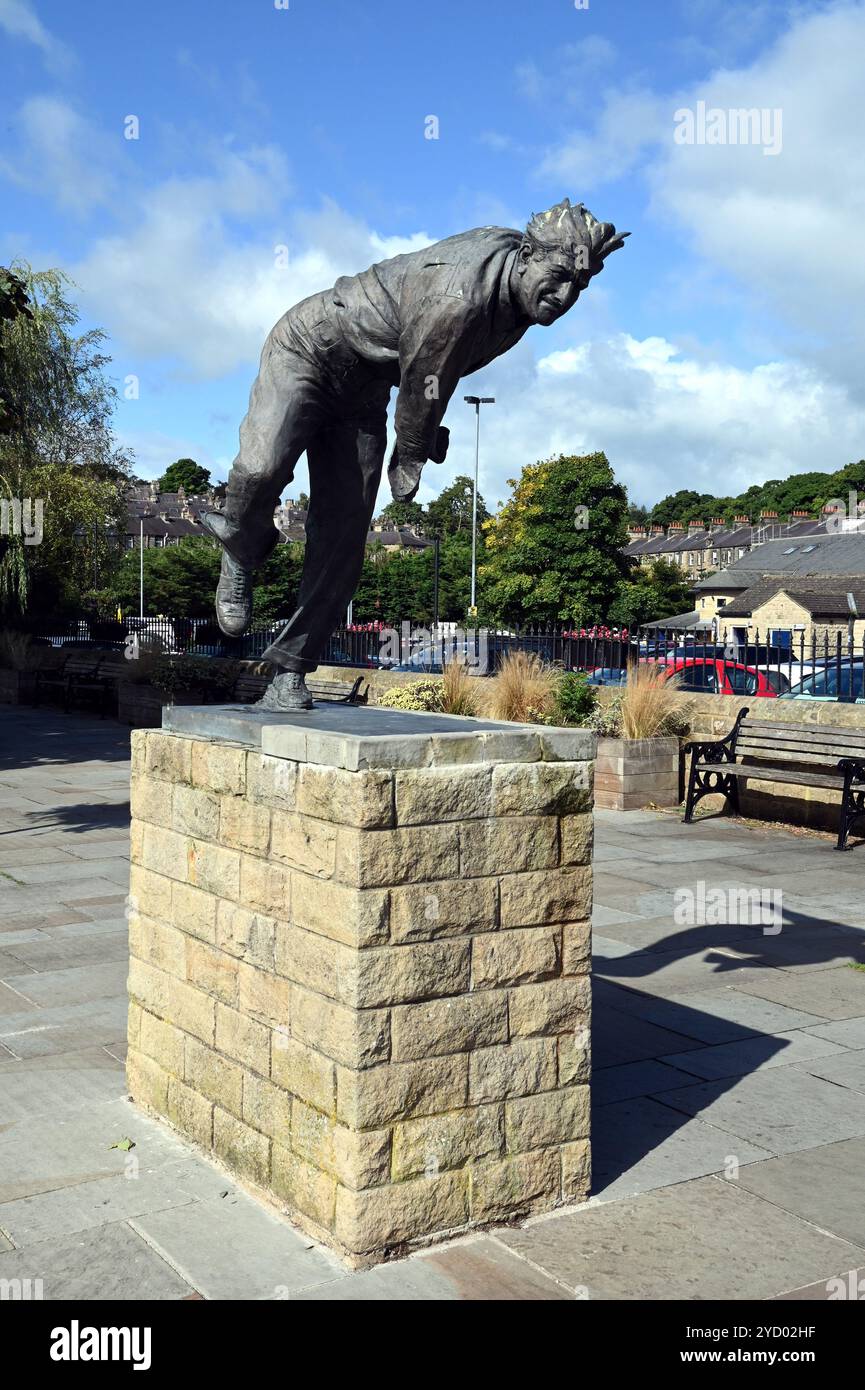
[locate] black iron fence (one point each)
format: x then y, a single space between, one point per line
819 665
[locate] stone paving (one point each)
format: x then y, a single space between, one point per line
729 1082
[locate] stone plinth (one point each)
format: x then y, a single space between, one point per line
360 962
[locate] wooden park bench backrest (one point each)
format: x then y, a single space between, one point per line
82 665
762 741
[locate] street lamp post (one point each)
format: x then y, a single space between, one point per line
477 402
141 571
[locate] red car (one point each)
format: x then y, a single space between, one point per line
717 677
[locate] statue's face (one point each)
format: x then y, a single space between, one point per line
546 285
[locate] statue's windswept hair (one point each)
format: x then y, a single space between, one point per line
574 231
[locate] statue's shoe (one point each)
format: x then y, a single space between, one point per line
287 692
233 597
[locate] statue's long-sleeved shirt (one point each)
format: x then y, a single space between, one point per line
426 318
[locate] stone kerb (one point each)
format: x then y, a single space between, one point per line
360 968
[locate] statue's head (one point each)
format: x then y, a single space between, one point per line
561 250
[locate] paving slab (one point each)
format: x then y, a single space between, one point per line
97 948
838 993
477 1269
610 1084
781 1109
48 1152
133 1192
619 1037
847 1032
68 1027
822 1185
752 1054
713 1016
73 986
234 1248
109 1263
846 1069
47 1085
640 1145
700 1240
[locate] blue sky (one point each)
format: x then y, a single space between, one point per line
718 348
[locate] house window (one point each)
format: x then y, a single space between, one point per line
780 637
721 602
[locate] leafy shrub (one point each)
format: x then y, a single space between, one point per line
575 699
200 675
421 696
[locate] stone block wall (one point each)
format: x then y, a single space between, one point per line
367 991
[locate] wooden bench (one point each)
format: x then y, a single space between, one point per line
82 676
249 688
807 755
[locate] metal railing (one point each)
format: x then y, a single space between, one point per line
826 665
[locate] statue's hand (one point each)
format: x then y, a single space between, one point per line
439 451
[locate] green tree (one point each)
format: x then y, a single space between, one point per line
404 514
659 592
179 580
451 512
57 446
186 474
554 549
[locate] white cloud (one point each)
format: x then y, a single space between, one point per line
54 148
665 420
20 21
788 229
628 124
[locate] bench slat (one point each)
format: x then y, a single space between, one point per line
785 729
766 773
792 753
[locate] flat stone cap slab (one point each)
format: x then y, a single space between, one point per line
360 736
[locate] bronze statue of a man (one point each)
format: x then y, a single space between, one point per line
420 322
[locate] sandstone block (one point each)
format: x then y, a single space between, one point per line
265 887
541 789
357 1159
428 796
244 1150
194 910
191 1010
384 1216
518 1184
430 1145
304 1187
150 800
263 996
168 757
213 1077
271 781
554 1006
303 843
420 912
249 936
376 858
356 1038
214 869
195 812
400 1090
515 957
353 916
363 799
508 845
219 767
576 1170
190 1112
267 1108
543 899
520 1069
243 1039
576 947
554 1117
577 835
302 1071
212 971
243 824
147 1081
162 1042
459 1024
